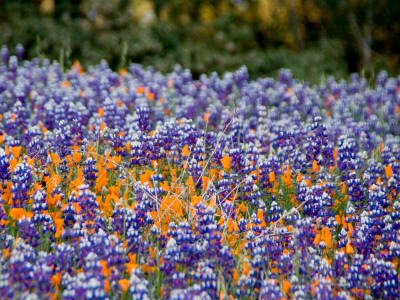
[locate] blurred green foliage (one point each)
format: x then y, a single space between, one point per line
205 36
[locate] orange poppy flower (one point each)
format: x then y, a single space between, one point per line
272 176
59 223
226 162
65 84
77 157
18 213
105 270
388 170
185 150
245 269
349 248
150 96
56 279
16 151
56 159
315 166
107 287
124 283
195 200
286 286
206 116
299 179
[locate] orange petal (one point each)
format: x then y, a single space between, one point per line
349 248
16 151
13 164
150 96
328 238
16 213
315 166
206 116
299 179
107 287
242 207
260 215
286 286
55 158
272 176
226 162
389 171
230 225
124 283
105 270
246 268
77 157
317 239
195 200
56 279
235 276
185 150
343 189
65 84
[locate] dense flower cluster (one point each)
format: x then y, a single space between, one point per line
142 185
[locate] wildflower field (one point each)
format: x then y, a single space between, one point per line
141 185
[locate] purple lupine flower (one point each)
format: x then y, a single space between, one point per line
21 180
138 286
243 288
207 280
63 139
185 240
69 217
355 191
28 232
209 233
358 274
385 279
20 51
83 287
346 153
17 117
6 290
143 118
39 202
170 251
274 213
5 55
135 243
42 273
120 217
13 66
4 166
269 290
35 147
89 206
116 258
324 288
21 267
90 171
